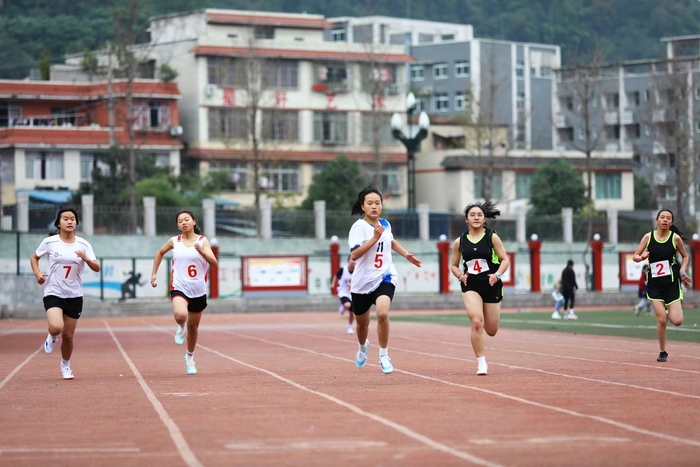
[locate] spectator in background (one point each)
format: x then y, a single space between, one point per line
558 299
568 290
644 302
342 279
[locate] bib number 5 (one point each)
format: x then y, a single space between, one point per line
378 261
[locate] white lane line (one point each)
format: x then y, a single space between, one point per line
596 325
573 413
396 426
19 367
551 355
508 365
175 434
12 450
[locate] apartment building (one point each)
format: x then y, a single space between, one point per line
50 131
650 108
310 99
379 30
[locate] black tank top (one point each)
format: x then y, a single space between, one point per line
663 266
478 259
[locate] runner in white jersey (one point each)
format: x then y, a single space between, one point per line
342 280
374 279
188 289
63 284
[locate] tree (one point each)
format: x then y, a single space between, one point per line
556 185
669 114
167 73
337 185
643 194
45 65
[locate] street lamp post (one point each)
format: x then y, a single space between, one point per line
410 142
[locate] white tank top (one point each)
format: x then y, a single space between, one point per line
189 269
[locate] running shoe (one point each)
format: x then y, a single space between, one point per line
361 357
190 367
385 362
349 330
180 335
66 371
662 357
49 343
571 315
482 369
556 315
341 310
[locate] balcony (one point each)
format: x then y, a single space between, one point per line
560 121
627 117
612 118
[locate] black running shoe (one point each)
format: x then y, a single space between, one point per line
662 357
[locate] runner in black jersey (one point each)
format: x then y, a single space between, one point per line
661 248
478 261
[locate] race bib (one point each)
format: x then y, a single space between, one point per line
660 269
477 266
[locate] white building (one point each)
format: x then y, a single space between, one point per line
403 31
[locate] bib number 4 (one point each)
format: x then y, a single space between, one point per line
477 266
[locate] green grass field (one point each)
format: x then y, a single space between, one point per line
604 323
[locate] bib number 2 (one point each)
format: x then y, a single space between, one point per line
660 269
477 266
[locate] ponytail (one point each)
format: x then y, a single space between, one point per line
488 208
673 227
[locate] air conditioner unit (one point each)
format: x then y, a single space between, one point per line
175 130
209 90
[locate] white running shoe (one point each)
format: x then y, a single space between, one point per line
341 310
190 367
482 369
385 362
49 343
180 335
556 315
66 371
349 330
570 315
361 356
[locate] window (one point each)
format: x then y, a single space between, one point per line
389 178
545 72
281 74
417 72
425 38
331 127
697 93
440 71
264 32
566 134
697 127
441 102
612 132
448 37
634 130
462 69
225 72
496 185
520 69
379 122
376 79
150 114
43 165
338 34
522 184
227 124
88 164
9 113
460 101
237 179
612 101
635 98
646 95
579 133
331 77
608 186
280 177
647 130
520 103
280 125
568 102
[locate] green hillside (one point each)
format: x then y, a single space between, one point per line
623 29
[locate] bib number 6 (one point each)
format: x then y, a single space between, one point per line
192 270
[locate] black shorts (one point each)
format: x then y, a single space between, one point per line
71 307
194 305
344 300
362 302
667 293
488 293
